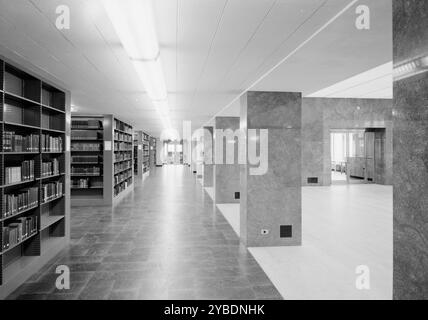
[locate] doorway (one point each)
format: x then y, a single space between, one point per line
357 155
174 152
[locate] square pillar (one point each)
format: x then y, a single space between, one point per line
226 176
208 157
410 151
271 209
193 156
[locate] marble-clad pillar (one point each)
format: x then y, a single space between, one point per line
270 211
208 157
193 155
410 153
226 176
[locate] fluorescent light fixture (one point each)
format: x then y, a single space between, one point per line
411 68
162 107
134 23
151 75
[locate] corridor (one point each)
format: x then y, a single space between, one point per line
165 240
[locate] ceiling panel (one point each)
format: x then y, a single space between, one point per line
211 50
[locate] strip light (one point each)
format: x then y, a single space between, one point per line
134 23
411 68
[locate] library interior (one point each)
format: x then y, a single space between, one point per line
223 149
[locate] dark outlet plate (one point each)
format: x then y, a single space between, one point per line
286 231
313 180
237 195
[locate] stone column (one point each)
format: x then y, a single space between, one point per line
410 152
271 211
193 155
226 176
208 157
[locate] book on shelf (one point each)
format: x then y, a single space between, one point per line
119 125
93 171
51 190
85 159
121 177
122 146
86 135
19 230
50 168
19 174
121 157
19 201
86 183
13 142
79 146
122 166
86 124
122 137
51 143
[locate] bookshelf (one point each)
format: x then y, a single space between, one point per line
152 152
87 165
141 154
123 158
104 159
146 153
34 161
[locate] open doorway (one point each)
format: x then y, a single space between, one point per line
357 156
174 152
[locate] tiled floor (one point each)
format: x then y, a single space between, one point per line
166 240
343 227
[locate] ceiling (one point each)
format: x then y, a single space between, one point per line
211 50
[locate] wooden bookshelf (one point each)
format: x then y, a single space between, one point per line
34 200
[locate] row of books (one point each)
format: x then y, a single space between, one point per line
93 171
50 168
122 177
13 142
86 159
51 190
122 146
122 157
85 183
122 186
18 231
86 124
119 125
122 137
19 201
19 174
86 135
122 166
51 143
86 147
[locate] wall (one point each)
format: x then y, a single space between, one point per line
320 115
410 155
